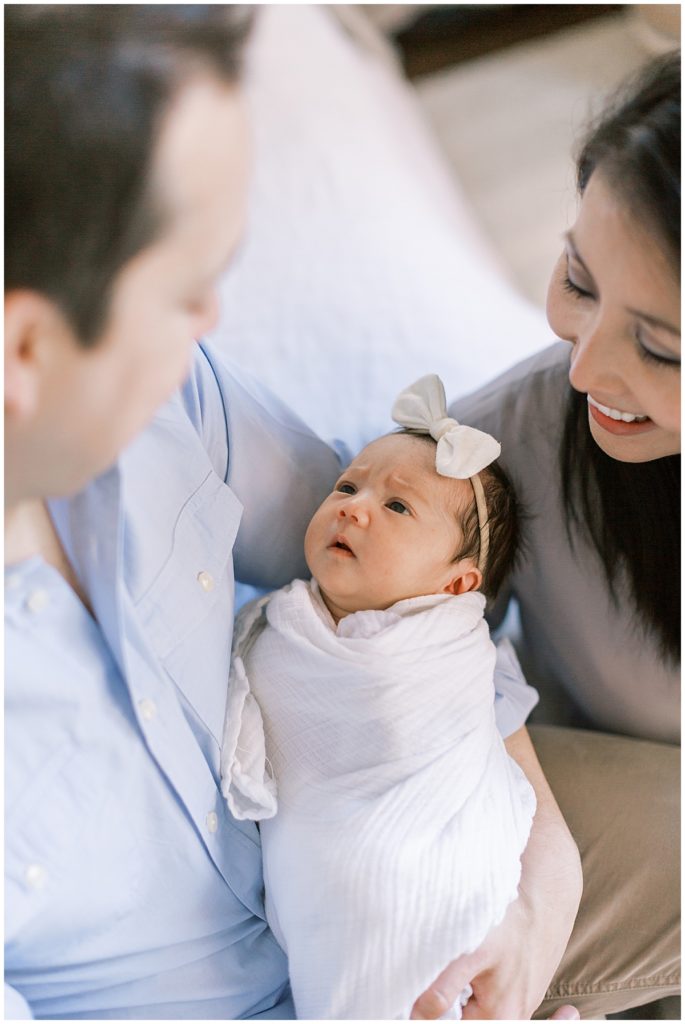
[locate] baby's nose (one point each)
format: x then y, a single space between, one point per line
354 511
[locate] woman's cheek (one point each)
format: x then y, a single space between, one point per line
667 408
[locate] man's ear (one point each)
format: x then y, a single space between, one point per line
30 319
466 577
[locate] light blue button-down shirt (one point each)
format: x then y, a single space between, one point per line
130 890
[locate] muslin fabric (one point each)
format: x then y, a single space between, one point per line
400 820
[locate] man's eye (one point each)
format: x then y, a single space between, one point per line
399 507
345 488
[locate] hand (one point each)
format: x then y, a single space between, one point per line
511 970
508 976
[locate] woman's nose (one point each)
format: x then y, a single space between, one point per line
594 363
355 511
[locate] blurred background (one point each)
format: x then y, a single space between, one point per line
413 175
553 64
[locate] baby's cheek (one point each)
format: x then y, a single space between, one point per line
310 543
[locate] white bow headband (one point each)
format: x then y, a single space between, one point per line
462 451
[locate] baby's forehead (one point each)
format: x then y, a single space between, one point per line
416 453
411 457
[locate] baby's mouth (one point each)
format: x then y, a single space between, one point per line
341 545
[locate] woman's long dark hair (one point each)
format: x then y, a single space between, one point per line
631 511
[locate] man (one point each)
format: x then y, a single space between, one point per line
130 891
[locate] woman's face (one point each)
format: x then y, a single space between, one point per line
616 298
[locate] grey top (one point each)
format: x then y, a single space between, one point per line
590 659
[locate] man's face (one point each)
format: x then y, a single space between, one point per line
92 402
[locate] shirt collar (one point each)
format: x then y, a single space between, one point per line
90 527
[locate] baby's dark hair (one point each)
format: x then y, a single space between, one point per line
504 519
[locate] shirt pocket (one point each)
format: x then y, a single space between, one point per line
187 612
198 572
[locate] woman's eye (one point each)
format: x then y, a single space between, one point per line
574 289
399 507
648 356
345 488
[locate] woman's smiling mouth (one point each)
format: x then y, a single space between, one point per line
616 414
615 421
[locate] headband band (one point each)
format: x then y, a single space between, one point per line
462 452
483 521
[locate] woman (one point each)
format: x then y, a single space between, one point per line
597 466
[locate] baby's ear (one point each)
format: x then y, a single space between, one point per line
466 577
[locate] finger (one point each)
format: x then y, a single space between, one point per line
566 1012
490 1001
474 1011
493 1006
446 989
431 1005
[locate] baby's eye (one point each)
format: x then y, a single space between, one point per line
399 507
346 488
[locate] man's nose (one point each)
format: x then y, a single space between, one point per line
355 511
207 314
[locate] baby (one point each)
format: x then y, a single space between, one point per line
360 724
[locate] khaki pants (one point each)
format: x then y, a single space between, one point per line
621 800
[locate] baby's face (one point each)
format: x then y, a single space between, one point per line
389 530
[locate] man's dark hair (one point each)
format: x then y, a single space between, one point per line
630 512
86 89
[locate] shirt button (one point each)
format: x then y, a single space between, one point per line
37 600
35 876
212 822
147 708
205 580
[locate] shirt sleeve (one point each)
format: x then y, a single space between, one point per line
514 698
275 465
16 1007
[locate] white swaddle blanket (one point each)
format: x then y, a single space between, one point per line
399 817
